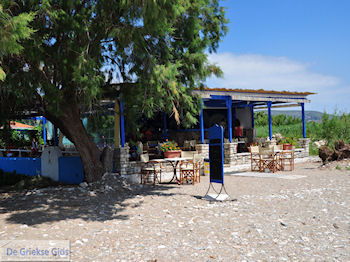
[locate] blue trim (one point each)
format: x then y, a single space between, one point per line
201 124
252 115
44 130
70 170
303 119
21 165
229 118
218 97
269 118
122 123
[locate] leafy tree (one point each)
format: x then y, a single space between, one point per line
155 50
13 29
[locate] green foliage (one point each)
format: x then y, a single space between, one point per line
313 150
338 167
168 146
285 130
155 50
13 30
331 128
289 140
277 120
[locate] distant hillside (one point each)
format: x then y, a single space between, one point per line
310 115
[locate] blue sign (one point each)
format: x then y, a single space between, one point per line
216 154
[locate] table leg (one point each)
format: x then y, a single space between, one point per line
174 176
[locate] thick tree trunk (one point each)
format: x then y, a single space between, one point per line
70 124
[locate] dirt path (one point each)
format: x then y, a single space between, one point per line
273 219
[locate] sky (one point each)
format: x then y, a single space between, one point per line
294 45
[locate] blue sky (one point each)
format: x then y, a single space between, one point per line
295 45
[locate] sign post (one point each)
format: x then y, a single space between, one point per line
216 160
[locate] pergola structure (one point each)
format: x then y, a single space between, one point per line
234 99
237 102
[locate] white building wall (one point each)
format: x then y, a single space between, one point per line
244 116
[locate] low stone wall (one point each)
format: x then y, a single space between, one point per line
121 160
203 150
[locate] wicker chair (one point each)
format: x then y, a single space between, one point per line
190 170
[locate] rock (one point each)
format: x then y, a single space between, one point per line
83 185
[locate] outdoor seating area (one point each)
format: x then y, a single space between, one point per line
185 169
271 159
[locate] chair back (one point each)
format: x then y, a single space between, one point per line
144 158
197 158
189 154
265 151
254 149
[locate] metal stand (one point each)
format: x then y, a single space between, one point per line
222 195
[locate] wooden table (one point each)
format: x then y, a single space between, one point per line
174 161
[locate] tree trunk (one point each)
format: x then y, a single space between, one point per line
69 122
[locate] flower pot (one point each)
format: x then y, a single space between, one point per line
172 153
287 147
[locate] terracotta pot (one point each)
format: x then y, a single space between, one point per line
287 147
173 153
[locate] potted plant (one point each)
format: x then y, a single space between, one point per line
170 149
288 143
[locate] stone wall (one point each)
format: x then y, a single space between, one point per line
304 143
203 150
230 151
121 160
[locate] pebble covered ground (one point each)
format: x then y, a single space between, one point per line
269 219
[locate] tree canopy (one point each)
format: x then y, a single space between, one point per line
154 50
13 29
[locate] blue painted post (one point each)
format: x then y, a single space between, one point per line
229 118
122 124
165 126
252 115
201 123
269 118
44 129
303 119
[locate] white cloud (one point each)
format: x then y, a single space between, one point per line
252 71
272 73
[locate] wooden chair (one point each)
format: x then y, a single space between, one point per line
151 171
188 172
255 158
198 164
286 158
269 160
190 154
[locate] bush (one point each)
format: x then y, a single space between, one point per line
331 128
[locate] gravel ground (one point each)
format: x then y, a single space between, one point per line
271 219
